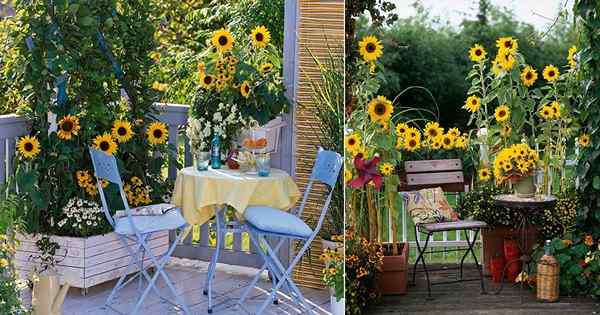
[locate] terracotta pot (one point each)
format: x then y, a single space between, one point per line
393 279
493 242
496 268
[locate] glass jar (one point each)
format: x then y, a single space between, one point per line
202 160
263 164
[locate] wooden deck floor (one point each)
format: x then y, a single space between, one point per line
465 298
189 277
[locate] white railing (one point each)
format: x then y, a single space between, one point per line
175 117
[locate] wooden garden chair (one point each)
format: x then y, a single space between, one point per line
447 174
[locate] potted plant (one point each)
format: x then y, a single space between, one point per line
333 276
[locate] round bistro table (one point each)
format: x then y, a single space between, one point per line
527 208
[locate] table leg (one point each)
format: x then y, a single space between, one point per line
215 257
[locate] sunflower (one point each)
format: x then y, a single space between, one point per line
157 133
106 144
68 127
461 142
412 133
484 174
555 106
245 89
266 68
505 59
28 146
370 48
347 175
502 113
546 112
551 73
584 140
436 143
386 169
207 81
571 57
412 144
352 142
260 36
473 103
433 130
223 40
507 43
506 130
496 68
201 68
528 76
477 53
401 129
454 132
448 141
380 109
121 131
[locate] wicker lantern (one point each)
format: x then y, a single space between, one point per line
548 276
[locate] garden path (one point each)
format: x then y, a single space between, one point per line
189 276
464 299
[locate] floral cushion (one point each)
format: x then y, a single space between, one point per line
429 206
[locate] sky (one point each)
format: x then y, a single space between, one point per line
539 13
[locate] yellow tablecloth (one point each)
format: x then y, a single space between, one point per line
197 193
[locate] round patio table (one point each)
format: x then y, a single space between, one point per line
527 208
202 195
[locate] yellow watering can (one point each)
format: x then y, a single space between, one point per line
48 296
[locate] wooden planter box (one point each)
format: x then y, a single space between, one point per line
493 242
89 261
394 276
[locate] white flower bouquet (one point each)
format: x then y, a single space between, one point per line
83 218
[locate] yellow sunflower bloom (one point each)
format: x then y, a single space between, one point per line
106 144
370 48
352 142
412 144
528 76
433 130
507 43
462 142
546 112
584 140
505 59
260 36
401 129
207 81
502 113
347 175
571 57
122 131
448 141
436 143
28 146
222 40
68 127
484 174
454 132
386 169
380 109
245 89
266 68
472 104
157 133
506 130
477 53
555 106
496 68
551 73
412 133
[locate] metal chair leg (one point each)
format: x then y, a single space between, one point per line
429 234
477 265
420 255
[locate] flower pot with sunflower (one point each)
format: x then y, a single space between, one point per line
517 164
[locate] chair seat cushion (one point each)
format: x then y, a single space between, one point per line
429 206
272 220
453 226
150 223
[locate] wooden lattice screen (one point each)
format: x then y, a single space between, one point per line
320 25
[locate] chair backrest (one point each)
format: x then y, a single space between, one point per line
105 167
447 174
326 169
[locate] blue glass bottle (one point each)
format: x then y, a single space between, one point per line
215 152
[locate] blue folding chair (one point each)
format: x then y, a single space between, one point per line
263 222
134 233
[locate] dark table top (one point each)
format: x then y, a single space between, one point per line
534 203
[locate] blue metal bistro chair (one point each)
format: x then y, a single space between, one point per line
263 222
134 233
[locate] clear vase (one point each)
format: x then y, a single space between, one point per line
263 164
202 160
524 187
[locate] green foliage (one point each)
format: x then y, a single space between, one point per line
419 54
588 14
65 38
329 94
